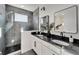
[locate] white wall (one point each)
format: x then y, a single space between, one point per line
50 9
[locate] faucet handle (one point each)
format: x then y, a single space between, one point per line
71 36
61 33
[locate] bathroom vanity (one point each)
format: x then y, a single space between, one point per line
65 21
53 48
42 45
38 45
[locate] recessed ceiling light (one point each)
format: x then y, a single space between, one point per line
22 6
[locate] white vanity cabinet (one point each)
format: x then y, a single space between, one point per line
26 41
41 47
67 52
50 49
46 51
36 46
55 48
29 41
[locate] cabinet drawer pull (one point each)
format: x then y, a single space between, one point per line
34 43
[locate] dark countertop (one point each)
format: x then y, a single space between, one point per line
74 49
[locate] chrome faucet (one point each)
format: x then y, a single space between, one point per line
61 33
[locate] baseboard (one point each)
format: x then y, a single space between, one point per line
15 53
34 51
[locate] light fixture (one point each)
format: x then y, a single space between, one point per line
43 8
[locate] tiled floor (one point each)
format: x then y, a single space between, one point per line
11 49
30 52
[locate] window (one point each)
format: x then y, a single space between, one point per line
21 18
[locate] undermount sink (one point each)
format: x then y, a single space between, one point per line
43 37
60 42
39 35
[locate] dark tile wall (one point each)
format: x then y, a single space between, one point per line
14 33
21 11
36 19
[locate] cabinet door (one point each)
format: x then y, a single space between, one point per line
55 48
26 43
34 45
66 52
37 47
45 51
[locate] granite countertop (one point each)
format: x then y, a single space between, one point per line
74 49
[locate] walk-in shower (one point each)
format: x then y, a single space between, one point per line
12 36
15 20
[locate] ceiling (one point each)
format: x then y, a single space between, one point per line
30 7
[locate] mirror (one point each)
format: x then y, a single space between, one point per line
66 20
44 23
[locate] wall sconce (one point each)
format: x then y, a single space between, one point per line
43 9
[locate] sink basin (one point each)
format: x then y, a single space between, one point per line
39 35
60 42
43 37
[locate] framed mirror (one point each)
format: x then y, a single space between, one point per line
44 23
66 20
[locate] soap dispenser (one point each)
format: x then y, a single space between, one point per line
71 39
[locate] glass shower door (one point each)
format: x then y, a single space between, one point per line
10 36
